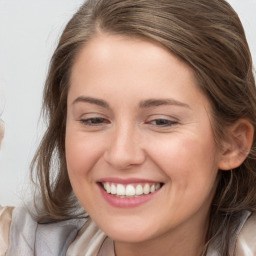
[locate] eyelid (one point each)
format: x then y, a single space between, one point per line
161 121
104 120
163 117
93 119
88 115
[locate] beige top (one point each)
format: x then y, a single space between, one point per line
91 241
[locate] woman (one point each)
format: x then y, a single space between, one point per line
152 112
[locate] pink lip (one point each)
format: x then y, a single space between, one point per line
126 202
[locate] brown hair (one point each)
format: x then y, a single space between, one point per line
208 36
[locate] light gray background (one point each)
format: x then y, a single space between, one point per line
29 31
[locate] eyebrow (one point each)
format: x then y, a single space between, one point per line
99 102
143 104
159 102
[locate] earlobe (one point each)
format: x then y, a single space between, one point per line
237 145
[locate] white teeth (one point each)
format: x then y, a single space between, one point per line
152 188
113 189
120 190
130 190
146 189
139 190
107 187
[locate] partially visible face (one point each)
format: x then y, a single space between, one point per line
140 150
1 131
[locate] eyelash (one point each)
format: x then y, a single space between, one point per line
98 121
94 121
161 122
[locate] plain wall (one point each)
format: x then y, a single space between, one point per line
29 31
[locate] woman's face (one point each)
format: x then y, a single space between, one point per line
138 125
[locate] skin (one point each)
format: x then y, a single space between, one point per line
1 131
169 141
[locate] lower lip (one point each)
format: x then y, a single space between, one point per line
126 202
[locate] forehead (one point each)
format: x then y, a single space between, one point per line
117 56
128 70
125 49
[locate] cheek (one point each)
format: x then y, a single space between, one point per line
189 161
191 168
81 156
80 152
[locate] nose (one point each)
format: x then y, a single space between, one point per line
124 149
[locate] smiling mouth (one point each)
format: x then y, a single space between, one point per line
130 190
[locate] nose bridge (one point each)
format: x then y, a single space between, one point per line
125 147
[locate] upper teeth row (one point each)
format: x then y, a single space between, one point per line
130 190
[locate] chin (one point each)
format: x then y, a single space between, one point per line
129 232
128 237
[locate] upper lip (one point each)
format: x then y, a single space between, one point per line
127 181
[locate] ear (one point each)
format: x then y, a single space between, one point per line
237 144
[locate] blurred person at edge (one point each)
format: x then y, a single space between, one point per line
5 212
1 131
150 148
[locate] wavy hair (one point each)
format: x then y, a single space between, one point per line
209 37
